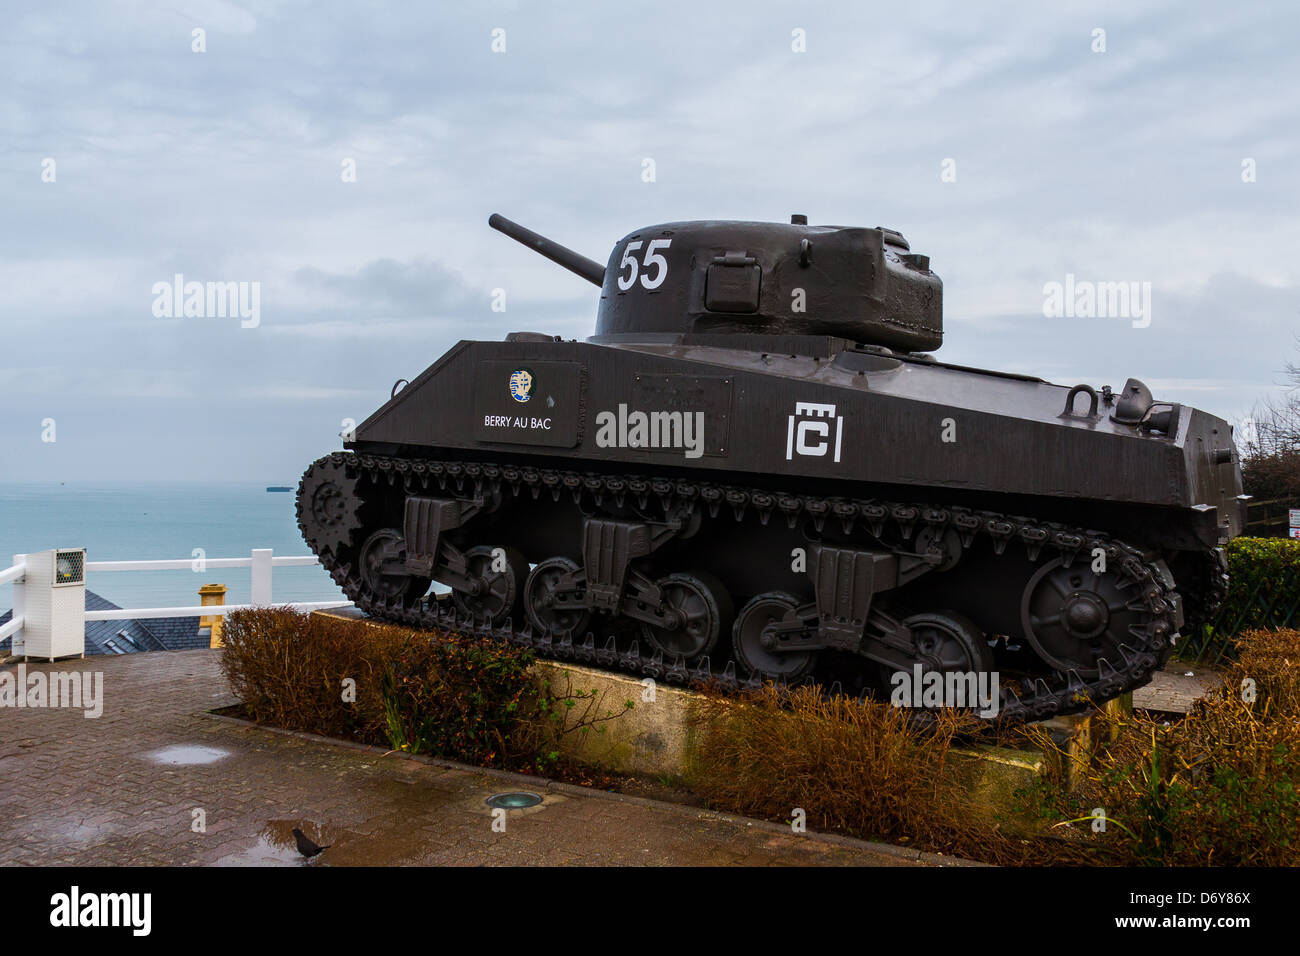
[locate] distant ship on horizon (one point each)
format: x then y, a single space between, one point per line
278 488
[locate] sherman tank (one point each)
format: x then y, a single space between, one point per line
757 470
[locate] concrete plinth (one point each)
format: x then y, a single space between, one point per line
992 775
1078 737
653 737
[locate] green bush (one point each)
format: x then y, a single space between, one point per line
1263 592
1265 584
459 698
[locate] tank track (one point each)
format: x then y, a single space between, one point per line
1204 602
1040 697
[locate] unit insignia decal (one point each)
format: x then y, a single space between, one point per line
521 384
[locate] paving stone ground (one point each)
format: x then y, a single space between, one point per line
122 789
1176 687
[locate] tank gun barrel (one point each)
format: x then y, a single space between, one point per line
589 269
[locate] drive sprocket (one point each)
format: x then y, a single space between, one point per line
329 508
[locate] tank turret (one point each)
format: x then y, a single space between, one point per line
725 277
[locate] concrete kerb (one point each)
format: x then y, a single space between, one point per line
545 783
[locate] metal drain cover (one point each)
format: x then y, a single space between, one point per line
514 800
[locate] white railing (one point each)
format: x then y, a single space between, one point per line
13 625
260 561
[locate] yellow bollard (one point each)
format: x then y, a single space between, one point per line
213 595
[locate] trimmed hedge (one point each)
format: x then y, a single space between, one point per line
1265 587
1263 593
445 695
292 670
459 698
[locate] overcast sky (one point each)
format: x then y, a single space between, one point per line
229 165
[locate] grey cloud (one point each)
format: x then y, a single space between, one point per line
389 287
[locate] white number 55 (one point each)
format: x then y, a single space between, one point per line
653 260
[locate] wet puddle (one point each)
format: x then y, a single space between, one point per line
277 845
186 755
392 838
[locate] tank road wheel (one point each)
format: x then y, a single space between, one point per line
499 575
757 652
1074 617
539 599
946 641
328 506
382 561
699 610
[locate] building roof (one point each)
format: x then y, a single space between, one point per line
130 636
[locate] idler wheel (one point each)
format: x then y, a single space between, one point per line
698 609
540 599
498 575
382 561
1074 617
759 652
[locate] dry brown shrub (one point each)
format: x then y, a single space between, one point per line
446 695
863 768
1220 787
1271 659
288 669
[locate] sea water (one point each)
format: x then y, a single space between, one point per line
153 521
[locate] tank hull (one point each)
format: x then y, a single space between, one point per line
963 435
